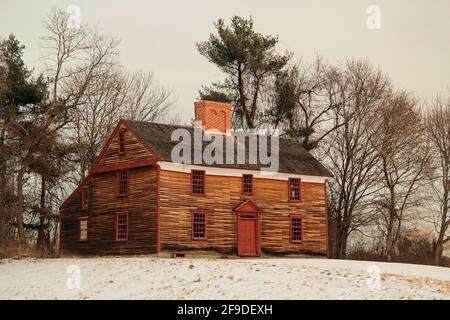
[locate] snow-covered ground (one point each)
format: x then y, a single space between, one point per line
157 278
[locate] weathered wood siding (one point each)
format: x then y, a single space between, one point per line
176 202
104 204
135 150
140 203
222 195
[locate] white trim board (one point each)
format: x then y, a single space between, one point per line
229 172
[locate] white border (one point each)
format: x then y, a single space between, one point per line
226 172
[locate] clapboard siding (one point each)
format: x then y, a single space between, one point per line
168 226
134 150
141 205
222 195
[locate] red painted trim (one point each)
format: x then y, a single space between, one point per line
108 142
158 210
114 167
236 231
96 169
299 190
118 214
150 150
84 195
124 122
118 183
79 228
205 223
237 177
124 165
224 167
243 183
254 207
59 232
111 137
257 216
204 183
121 142
77 189
256 211
302 220
325 185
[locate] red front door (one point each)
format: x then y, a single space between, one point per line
247 235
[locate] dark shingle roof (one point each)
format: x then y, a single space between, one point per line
293 158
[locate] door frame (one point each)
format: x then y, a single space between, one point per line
257 220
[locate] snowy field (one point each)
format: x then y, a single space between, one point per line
153 278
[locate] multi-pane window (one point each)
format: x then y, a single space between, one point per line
296 229
85 198
83 229
247 184
122 226
198 181
294 189
198 224
122 141
122 176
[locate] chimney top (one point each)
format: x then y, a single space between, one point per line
213 115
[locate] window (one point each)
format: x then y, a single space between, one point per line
199 224
294 189
122 226
198 181
122 177
122 142
296 229
85 198
247 184
83 228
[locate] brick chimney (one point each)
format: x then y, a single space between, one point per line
213 115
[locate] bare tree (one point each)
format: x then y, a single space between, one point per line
349 155
437 123
75 57
397 134
109 98
95 89
305 100
70 53
146 99
95 118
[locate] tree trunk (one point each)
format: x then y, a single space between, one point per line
19 211
439 248
3 219
340 242
389 237
40 243
390 227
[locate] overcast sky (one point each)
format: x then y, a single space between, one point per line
412 46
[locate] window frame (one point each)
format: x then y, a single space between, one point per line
118 214
243 185
291 229
299 190
80 220
127 183
121 142
203 182
85 196
205 224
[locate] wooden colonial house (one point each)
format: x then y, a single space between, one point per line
136 200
